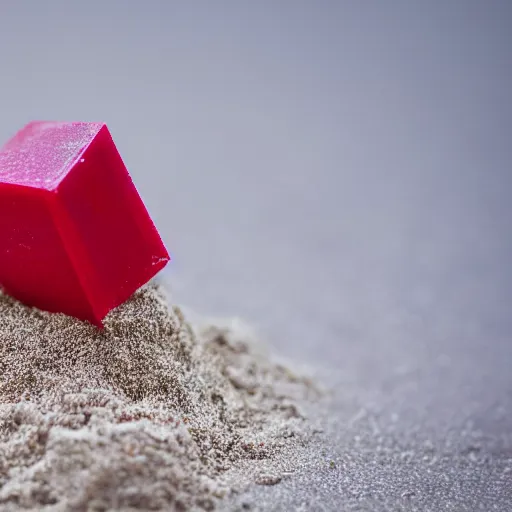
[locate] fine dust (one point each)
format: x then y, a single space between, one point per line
150 413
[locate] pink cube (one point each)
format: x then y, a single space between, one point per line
75 236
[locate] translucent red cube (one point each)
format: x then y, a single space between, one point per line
75 236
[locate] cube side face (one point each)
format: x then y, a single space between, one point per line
109 234
34 265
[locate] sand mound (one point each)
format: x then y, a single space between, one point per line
147 414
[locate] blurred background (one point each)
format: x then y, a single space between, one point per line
337 173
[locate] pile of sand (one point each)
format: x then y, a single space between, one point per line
147 414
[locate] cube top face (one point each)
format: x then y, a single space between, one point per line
42 153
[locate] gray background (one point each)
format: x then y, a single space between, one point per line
338 173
